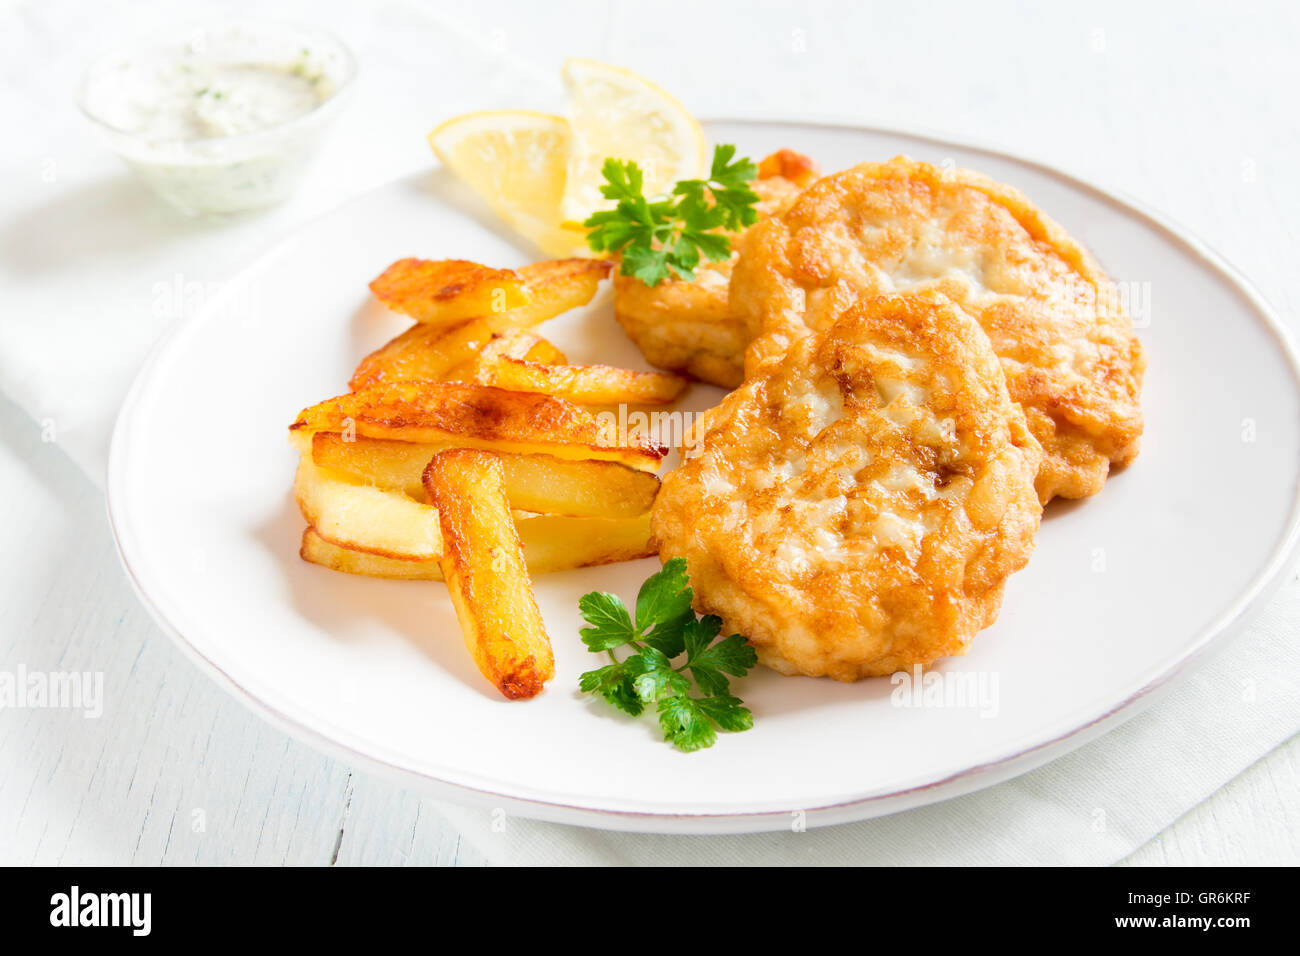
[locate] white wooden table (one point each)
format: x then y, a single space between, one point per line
1191 110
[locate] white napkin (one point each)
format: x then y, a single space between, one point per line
93 270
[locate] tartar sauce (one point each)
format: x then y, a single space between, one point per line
210 121
194 100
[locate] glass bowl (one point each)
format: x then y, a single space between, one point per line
208 155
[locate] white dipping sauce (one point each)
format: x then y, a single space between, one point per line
193 100
216 123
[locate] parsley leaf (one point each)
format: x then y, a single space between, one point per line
658 679
665 629
663 606
669 236
708 664
610 624
616 683
727 712
685 725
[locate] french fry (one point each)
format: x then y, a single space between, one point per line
554 287
449 290
544 351
790 165
300 441
550 544
476 416
317 550
424 352
451 353
483 565
353 514
441 293
512 343
582 384
537 483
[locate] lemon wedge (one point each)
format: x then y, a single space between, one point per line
615 112
516 160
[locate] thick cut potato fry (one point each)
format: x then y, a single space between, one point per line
483 564
537 483
449 290
512 343
544 351
424 352
356 515
550 544
554 287
440 293
476 416
451 353
583 384
787 164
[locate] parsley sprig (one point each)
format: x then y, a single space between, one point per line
667 235
665 630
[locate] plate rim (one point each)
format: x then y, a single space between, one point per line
1027 756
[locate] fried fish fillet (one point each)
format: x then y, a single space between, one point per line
688 326
1055 320
857 508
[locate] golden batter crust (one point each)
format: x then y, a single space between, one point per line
856 508
1055 320
688 326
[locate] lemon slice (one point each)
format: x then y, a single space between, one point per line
515 160
615 112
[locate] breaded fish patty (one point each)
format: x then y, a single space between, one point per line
856 508
1055 320
688 326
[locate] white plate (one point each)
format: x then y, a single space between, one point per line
1124 592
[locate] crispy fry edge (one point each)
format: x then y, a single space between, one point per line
483 565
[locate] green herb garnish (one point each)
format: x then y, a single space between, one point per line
666 629
663 236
